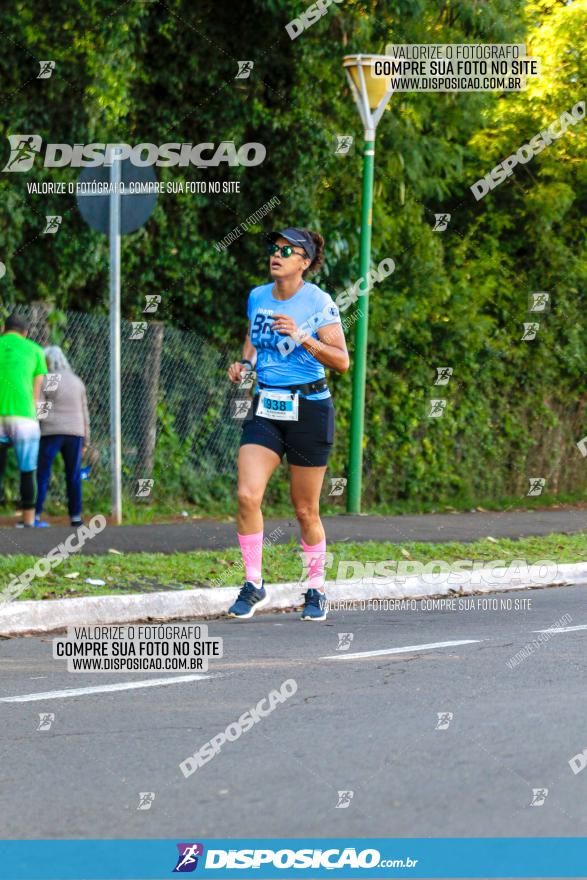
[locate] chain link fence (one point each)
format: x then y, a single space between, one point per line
177 428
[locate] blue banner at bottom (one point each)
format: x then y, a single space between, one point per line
501 857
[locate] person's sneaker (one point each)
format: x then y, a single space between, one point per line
77 522
40 524
315 605
249 600
24 526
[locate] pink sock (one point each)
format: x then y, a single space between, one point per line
252 550
315 556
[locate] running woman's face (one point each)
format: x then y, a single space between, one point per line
281 268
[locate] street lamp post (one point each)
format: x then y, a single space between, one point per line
371 97
114 277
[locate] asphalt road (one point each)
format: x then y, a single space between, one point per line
364 724
213 535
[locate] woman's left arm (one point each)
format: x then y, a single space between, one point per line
330 347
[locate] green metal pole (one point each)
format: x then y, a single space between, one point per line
361 331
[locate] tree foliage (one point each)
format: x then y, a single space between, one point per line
165 71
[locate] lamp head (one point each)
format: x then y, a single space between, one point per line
376 86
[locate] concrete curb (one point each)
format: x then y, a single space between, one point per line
37 617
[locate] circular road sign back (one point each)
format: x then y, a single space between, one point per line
135 208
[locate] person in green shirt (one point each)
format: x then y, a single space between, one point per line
22 367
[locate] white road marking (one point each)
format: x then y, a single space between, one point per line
102 689
405 650
561 629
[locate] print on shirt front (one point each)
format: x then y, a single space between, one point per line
280 362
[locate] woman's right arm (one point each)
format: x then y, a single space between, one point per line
237 370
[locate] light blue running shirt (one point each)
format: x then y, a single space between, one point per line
280 361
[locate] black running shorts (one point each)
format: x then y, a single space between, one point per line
306 443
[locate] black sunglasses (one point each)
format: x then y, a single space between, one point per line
285 251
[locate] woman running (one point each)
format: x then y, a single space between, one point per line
294 332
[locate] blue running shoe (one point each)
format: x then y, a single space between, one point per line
41 524
315 606
249 600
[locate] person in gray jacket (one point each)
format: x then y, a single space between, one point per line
65 428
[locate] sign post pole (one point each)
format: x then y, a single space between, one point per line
115 418
116 213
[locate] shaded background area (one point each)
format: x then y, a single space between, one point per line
177 430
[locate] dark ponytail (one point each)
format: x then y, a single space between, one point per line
319 258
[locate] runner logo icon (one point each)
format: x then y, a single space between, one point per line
187 859
23 149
